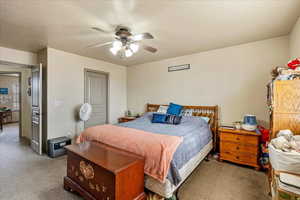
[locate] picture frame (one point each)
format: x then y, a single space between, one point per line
4 91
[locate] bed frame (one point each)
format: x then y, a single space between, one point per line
204 111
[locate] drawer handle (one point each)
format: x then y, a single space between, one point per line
237 157
104 189
237 138
237 148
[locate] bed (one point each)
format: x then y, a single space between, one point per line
167 189
198 138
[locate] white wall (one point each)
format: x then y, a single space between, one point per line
17 56
26 100
234 78
295 41
66 89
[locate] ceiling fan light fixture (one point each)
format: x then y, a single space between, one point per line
137 37
134 47
125 44
117 44
114 50
128 53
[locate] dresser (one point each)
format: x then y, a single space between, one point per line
239 146
98 171
126 119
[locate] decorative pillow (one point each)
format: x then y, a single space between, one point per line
159 118
173 119
174 109
162 109
187 112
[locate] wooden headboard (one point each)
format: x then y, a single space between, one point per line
204 111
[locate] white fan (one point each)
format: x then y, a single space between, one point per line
85 112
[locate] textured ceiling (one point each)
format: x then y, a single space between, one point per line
180 27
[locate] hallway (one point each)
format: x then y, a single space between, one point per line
10 134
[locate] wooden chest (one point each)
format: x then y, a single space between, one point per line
239 146
98 171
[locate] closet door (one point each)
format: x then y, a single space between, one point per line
96 94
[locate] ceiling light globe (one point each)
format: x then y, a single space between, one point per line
114 51
117 44
128 53
134 47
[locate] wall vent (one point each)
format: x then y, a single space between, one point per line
179 67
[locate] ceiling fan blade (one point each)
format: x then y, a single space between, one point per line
149 48
100 44
101 30
142 36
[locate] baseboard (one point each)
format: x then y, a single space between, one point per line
25 140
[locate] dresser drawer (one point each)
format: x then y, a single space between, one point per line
239 157
237 147
96 180
242 139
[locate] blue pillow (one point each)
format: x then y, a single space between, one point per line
174 109
159 118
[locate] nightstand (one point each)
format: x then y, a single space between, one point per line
126 119
239 146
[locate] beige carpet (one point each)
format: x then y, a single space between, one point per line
27 176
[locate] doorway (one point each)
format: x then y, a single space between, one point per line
10 106
96 94
28 103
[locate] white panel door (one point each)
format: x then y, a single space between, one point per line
96 94
36 85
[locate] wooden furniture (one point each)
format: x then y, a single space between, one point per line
285 111
239 146
98 171
6 116
126 119
205 111
285 107
1 120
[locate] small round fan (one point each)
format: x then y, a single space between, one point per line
85 111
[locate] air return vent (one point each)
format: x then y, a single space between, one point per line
179 67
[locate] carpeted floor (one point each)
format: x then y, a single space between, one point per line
27 176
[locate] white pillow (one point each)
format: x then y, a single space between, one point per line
162 109
207 119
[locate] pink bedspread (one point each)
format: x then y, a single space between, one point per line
157 149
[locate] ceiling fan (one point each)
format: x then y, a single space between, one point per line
125 43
